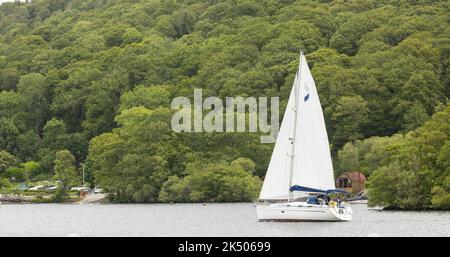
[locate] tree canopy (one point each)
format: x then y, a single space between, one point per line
96 77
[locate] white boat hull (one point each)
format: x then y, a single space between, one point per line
302 212
360 202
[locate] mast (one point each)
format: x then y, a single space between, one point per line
291 164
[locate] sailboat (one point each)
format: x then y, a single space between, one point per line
299 182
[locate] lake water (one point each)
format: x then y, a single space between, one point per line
204 220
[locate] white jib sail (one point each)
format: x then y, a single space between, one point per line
312 166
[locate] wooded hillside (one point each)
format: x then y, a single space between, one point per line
96 78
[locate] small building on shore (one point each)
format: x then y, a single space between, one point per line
352 182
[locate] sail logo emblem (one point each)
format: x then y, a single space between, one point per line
307 93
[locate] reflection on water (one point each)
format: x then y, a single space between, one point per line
204 220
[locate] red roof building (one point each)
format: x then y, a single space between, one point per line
352 182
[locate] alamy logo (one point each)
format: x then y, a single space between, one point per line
211 115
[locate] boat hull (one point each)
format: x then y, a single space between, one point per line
359 202
288 212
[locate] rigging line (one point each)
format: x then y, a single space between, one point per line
296 91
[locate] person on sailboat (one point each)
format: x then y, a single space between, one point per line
324 199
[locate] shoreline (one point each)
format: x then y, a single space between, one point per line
47 199
107 202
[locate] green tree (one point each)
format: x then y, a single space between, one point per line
413 174
128 163
65 170
8 135
70 94
10 104
53 130
28 168
132 35
218 182
349 119
6 160
441 195
346 38
348 159
165 27
9 77
149 97
113 35
28 144
33 88
414 117
102 103
4 185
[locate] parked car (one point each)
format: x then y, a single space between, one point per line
79 189
98 190
50 188
36 188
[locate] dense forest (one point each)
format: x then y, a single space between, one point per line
88 83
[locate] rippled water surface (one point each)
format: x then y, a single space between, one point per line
204 220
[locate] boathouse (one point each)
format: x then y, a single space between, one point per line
352 182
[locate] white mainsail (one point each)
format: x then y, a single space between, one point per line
306 141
